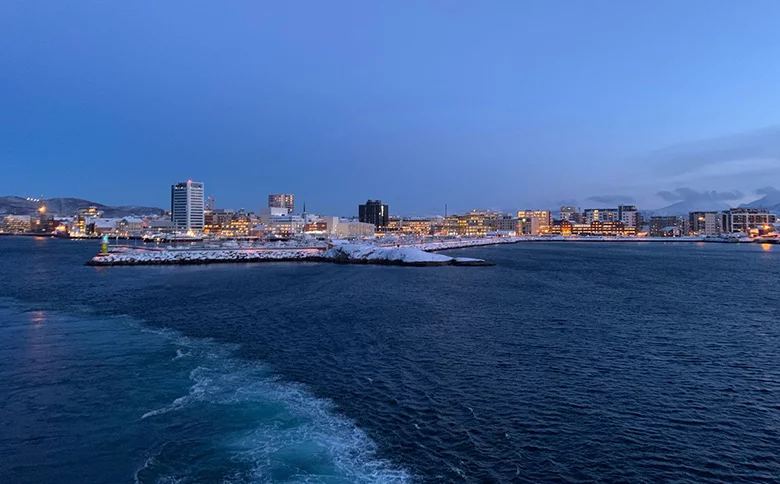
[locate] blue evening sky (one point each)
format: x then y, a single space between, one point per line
490 104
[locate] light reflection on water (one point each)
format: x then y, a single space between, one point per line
37 317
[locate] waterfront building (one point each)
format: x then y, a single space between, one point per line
417 226
613 227
667 226
591 215
567 228
130 226
230 223
187 209
472 224
331 224
63 228
561 227
629 215
501 223
316 227
351 228
746 219
437 225
210 225
394 224
410 226
449 226
286 225
534 222
52 225
159 226
570 213
282 200
374 212
703 223
239 224
83 218
528 226
102 226
15 224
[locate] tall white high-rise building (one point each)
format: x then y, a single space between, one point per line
187 206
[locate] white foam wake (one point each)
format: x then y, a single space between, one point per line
285 433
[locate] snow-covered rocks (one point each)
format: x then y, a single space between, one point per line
339 253
372 254
143 256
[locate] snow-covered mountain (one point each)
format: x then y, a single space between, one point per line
685 206
771 201
10 205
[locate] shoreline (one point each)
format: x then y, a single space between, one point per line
455 262
457 243
338 254
418 253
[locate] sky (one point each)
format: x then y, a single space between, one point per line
494 104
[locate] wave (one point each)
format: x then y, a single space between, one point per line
275 430
237 420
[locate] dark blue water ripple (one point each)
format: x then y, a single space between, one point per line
564 363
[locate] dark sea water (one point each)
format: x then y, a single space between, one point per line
563 363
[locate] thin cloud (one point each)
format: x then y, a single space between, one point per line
752 150
689 194
611 199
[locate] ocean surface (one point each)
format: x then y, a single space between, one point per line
563 363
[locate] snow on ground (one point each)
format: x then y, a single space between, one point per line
372 253
343 252
127 256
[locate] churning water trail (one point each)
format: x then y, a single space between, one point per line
235 422
277 428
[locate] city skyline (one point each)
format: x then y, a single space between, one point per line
626 102
680 201
195 216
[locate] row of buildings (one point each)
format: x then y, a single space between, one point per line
194 214
624 220
190 214
627 220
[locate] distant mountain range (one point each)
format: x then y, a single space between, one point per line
684 207
770 201
10 205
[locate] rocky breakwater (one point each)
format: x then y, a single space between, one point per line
404 256
146 257
343 254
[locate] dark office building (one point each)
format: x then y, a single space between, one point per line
667 226
373 212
